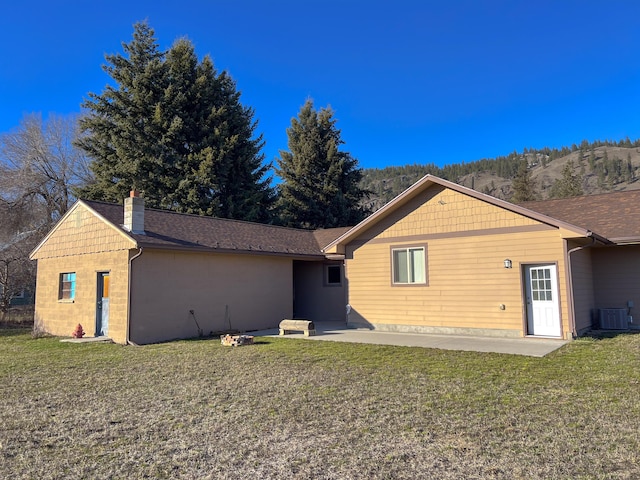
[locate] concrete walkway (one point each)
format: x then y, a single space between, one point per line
86 340
533 347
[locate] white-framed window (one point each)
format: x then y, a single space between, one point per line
333 275
67 289
409 265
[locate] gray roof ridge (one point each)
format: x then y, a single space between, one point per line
208 217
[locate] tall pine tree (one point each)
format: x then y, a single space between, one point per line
319 186
524 187
567 186
175 129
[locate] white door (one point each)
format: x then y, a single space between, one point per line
543 308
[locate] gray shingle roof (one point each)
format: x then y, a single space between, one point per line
166 229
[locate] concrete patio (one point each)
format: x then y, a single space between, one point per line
533 347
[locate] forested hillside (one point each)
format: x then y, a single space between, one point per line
599 167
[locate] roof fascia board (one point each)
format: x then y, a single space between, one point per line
230 251
625 240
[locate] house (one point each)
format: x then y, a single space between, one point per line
20 299
442 258
141 275
439 258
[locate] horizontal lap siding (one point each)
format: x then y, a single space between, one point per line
467 281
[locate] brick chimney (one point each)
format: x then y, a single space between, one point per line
134 213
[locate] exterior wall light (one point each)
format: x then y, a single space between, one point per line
507 263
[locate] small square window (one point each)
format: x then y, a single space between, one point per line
334 275
409 266
67 286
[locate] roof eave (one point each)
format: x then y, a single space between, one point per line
236 251
625 240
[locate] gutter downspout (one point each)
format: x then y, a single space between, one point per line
572 314
127 340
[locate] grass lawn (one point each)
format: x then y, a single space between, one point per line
290 408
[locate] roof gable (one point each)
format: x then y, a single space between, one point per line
430 182
82 230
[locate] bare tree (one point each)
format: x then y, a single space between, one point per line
17 272
39 168
39 164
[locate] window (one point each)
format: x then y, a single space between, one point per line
333 275
67 286
409 265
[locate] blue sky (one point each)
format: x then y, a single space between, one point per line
409 81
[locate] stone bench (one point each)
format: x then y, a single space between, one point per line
305 326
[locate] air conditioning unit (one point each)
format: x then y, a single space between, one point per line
614 319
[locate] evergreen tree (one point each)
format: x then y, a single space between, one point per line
567 186
524 187
174 128
592 160
319 182
120 131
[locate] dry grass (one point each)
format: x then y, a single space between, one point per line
21 316
286 408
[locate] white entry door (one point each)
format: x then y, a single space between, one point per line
543 308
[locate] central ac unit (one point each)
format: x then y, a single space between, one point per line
614 319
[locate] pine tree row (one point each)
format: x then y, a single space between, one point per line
173 127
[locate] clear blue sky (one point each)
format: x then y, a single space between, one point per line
410 81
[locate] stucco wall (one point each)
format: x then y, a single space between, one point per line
314 299
467 242
225 292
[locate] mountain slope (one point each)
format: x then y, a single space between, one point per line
600 166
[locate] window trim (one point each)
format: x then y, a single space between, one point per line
413 246
62 290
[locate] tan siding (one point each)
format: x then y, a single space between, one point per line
249 291
60 318
81 233
441 210
467 281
